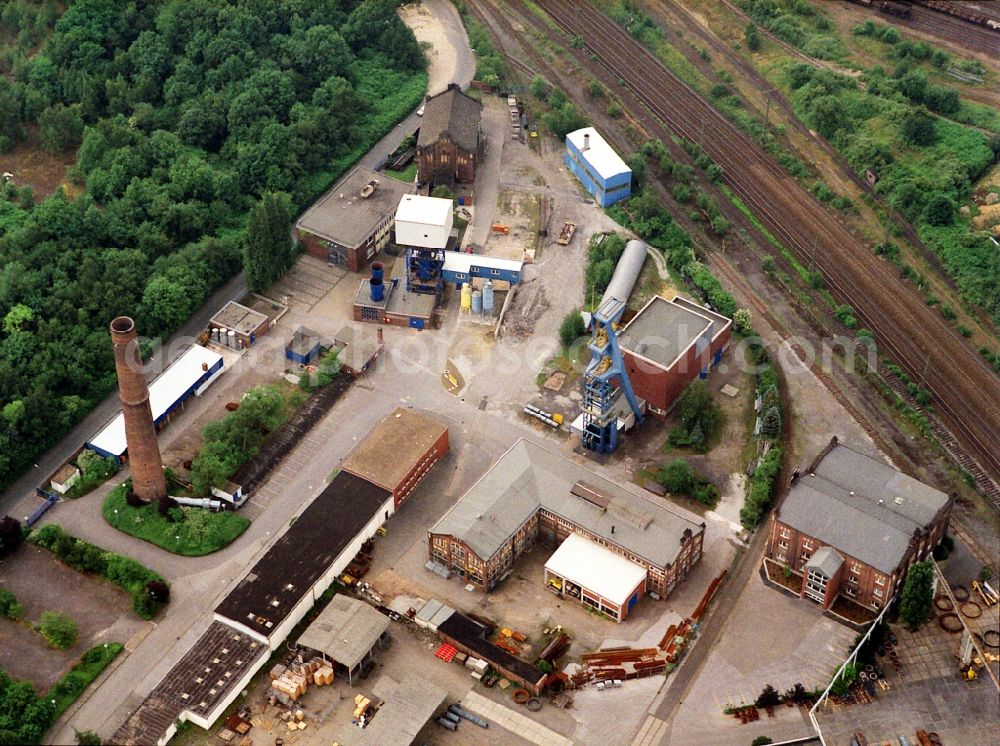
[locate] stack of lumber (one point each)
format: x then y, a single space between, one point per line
362 703
323 676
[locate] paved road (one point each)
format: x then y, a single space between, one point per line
21 493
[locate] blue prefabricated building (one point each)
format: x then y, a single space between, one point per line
460 268
189 375
306 346
605 381
598 167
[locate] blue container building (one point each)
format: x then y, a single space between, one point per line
598 167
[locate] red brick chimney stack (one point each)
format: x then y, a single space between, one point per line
148 481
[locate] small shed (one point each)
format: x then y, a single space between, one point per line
306 345
346 631
65 478
245 324
231 492
357 351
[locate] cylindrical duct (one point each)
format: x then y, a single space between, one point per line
477 301
377 288
148 481
378 270
466 296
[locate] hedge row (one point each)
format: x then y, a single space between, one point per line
149 591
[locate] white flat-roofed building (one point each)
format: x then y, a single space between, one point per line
188 375
598 167
596 576
424 222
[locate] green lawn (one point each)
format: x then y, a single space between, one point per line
192 532
408 174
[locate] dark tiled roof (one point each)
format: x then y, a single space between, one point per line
293 564
454 114
202 679
472 634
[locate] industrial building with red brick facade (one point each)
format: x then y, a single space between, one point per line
667 345
853 525
399 452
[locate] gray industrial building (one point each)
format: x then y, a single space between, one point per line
534 494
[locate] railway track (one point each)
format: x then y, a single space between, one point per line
965 391
944 26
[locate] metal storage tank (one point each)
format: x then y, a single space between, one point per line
626 271
488 298
377 270
466 296
477 301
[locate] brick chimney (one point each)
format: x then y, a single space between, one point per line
148 481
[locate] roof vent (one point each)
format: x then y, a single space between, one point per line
586 141
852 493
369 189
881 501
898 501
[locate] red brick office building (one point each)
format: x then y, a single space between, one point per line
667 345
852 525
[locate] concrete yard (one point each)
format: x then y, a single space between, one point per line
103 613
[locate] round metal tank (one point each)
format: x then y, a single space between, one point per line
488 298
477 301
377 289
377 270
466 296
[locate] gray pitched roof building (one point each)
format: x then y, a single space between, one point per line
529 477
862 506
454 114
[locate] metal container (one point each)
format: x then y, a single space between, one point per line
451 716
378 270
477 302
488 298
463 713
377 289
466 296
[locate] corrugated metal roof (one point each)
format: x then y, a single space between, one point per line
529 477
345 630
163 394
861 506
406 707
459 261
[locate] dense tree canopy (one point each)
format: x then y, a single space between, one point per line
186 112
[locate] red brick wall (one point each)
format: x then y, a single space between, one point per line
420 470
661 387
317 247
460 167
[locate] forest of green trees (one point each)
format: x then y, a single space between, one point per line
185 113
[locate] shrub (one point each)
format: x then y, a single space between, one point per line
58 629
758 498
87 738
768 697
917 598
742 321
842 685
701 418
761 741
571 328
9 607
917 128
11 535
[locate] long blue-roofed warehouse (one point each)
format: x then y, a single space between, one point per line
598 167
